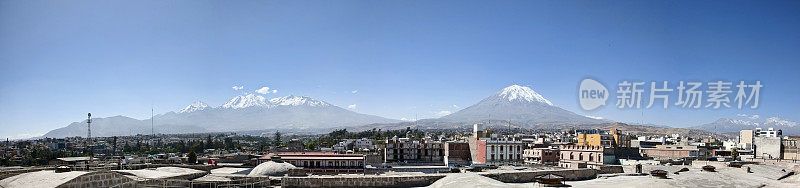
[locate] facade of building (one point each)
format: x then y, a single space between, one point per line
487 148
504 152
663 152
577 156
768 147
413 151
321 162
364 144
457 153
295 145
613 138
544 156
746 136
791 148
771 133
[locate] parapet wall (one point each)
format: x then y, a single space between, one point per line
427 179
611 169
361 181
97 179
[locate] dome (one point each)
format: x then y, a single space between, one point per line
271 168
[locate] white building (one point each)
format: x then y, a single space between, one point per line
502 152
364 144
769 133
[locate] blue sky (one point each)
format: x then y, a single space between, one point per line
406 59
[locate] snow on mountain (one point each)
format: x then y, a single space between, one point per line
241 113
736 125
520 105
297 101
249 100
517 92
777 122
196 106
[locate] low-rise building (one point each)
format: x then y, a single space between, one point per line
321 162
544 156
612 138
791 148
413 151
457 153
504 152
768 147
663 152
577 156
491 149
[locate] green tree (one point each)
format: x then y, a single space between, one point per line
114 142
209 142
277 139
734 153
192 157
229 143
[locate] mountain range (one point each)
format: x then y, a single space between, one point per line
512 107
241 113
726 125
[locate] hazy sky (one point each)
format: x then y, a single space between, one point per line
406 59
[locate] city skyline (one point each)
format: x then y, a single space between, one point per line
377 58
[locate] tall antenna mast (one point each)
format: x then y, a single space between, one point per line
89 134
152 123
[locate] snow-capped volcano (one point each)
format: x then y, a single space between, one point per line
521 105
517 92
196 106
296 101
245 101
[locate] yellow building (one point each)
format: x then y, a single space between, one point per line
613 138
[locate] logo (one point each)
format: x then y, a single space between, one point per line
592 94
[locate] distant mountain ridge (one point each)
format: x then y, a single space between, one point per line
240 113
735 125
